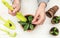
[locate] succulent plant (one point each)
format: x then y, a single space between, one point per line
54 31
55 20
28 24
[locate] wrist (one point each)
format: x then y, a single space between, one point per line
42 4
16 1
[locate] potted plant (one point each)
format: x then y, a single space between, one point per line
27 26
55 20
54 31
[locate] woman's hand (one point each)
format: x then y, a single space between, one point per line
40 14
16 6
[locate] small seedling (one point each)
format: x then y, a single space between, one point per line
11 35
18 15
9 24
28 24
54 31
55 20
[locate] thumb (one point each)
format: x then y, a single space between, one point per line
14 6
15 10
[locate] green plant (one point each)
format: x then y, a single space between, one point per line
28 24
55 19
54 31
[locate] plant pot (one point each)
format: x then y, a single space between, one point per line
28 24
54 31
55 20
50 13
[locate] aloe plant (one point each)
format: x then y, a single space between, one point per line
28 24
55 19
54 31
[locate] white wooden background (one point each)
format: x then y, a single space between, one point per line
29 7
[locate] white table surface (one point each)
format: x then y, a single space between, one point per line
29 7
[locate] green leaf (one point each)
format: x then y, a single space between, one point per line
56 21
56 33
22 23
55 29
26 27
31 27
30 18
58 17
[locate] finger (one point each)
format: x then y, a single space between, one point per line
39 21
42 21
15 10
35 18
14 6
10 12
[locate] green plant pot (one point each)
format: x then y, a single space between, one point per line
54 31
55 20
28 26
